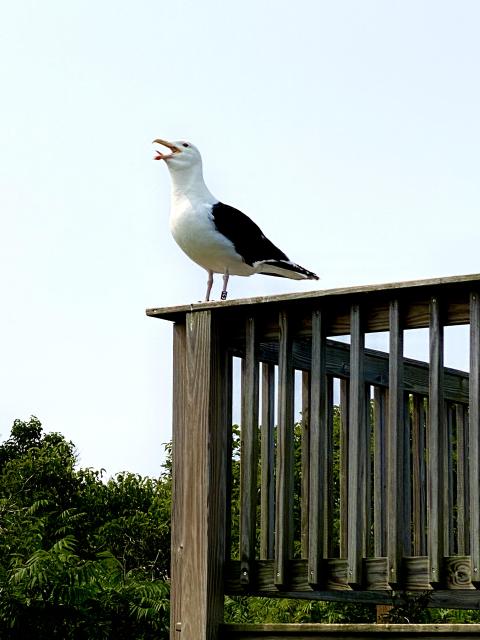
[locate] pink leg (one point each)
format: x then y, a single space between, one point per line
226 275
209 285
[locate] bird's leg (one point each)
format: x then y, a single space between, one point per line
209 285
226 275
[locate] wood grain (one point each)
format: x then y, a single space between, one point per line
397 528
267 489
416 579
248 454
436 446
419 497
320 453
380 472
474 433
376 370
284 478
318 631
305 466
204 480
179 437
357 453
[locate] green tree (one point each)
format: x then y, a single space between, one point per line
79 557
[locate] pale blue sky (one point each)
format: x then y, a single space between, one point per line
348 130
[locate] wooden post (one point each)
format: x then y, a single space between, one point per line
320 455
436 446
284 503
397 528
200 432
267 491
474 434
248 458
178 445
357 451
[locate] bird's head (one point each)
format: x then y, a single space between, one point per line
182 155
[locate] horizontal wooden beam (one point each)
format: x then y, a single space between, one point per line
415 378
414 290
299 587
315 631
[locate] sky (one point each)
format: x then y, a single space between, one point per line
348 130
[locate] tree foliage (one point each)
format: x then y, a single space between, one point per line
79 557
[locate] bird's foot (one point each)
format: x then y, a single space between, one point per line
224 295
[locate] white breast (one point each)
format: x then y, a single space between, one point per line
194 231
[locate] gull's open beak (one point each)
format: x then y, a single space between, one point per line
169 145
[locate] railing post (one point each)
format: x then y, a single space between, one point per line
437 478
357 451
320 455
200 433
249 455
179 428
284 502
398 529
474 434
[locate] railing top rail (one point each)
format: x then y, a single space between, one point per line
416 288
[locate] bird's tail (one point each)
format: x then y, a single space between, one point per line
284 269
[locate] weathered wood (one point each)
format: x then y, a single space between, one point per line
416 579
474 433
458 572
248 455
293 332
397 528
463 484
379 472
320 453
267 490
319 631
417 291
179 437
376 574
343 472
419 498
448 505
415 574
357 453
204 480
416 372
229 462
284 501
305 470
436 446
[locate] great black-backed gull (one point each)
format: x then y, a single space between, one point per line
219 238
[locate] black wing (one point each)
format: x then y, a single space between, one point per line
247 237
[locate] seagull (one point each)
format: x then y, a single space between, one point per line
218 237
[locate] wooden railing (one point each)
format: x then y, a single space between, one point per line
380 492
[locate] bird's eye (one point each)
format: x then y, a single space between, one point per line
185 144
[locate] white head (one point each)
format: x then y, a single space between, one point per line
183 156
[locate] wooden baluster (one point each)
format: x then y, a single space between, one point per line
463 492
320 454
379 472
284 489
436 436
474 434
357 452
305 472
267 491
229 425
344 420
248 455
419 476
